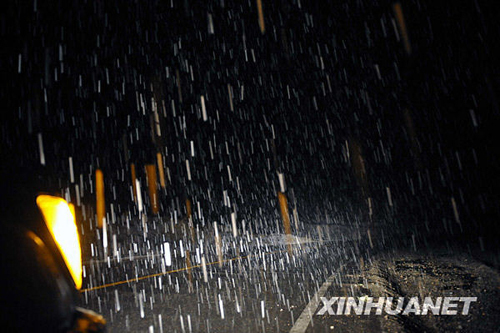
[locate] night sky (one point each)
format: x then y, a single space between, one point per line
325 92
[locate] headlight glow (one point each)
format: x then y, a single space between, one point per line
59 217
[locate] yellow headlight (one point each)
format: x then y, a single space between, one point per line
60 219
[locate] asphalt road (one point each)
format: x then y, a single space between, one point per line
270 283
260 285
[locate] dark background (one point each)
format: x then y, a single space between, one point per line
309 102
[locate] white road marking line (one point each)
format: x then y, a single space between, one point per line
302 322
